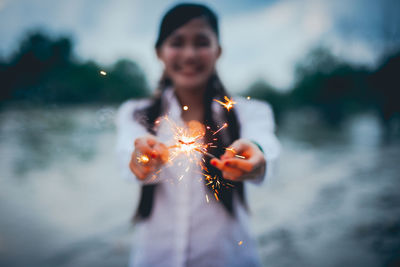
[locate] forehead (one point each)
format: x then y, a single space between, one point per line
193 27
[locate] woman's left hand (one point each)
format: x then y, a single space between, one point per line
243 160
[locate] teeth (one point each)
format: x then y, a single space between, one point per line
189 68
186 70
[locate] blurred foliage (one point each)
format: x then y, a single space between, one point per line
44 70
337 89
333 87
264 91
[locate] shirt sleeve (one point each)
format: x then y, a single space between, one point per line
258 125
128 129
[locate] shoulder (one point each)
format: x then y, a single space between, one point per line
254 112
126 109
252 106
133 104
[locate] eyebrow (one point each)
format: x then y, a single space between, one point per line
181 36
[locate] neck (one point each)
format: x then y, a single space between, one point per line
193 99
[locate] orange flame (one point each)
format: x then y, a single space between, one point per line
228 104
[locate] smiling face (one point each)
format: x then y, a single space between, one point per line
189 54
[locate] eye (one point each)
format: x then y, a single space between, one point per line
176 41
202 41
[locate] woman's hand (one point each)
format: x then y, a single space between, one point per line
250 163
149 155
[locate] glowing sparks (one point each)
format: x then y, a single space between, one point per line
143 159
231 150
102 72
216 185
188 141
248 98
234 152
240 243
185 108
205 153
228 104
223 126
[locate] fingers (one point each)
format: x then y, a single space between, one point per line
143 147
151 140
150 146
161 152
217 163
139 171
230 165
239 147
234 149
155 153
235 168
228 172
241 164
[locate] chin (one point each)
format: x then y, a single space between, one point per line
191 84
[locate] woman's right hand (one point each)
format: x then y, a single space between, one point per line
149 155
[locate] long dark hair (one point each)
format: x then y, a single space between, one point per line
173 19
148 115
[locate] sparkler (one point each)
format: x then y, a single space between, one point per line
216 184
188 141
228 104
223 126
234 152
231 150
205 153
143 159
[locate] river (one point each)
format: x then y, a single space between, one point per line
334 200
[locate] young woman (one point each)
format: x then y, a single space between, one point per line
181 220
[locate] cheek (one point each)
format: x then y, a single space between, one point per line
209 58
169 57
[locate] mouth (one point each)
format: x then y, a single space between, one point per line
188 70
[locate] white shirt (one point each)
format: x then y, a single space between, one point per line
186 228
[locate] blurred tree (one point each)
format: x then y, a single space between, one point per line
335 88
45 70
260 89
386 90
127 80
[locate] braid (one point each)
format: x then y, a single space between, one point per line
217 90
148 115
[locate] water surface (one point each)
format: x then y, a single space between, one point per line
333 202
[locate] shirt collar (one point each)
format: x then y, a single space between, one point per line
171 103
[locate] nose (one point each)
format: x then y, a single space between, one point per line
189 52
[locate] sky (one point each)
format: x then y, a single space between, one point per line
261 39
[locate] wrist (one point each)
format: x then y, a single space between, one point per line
258 145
